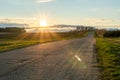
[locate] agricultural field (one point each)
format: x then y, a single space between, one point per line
108 50
20 40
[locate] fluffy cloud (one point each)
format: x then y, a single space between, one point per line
43 1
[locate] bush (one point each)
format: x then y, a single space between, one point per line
112 33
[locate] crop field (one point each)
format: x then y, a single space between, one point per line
108 50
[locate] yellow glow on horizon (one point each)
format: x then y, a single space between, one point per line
43 23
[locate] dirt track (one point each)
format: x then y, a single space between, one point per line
62 60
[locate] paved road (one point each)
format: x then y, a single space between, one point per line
61 60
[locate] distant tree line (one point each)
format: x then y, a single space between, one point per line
12 29
115 33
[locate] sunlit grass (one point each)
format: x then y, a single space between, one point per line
109 58
15 41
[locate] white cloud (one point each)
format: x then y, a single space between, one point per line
44 1
30 21
101 22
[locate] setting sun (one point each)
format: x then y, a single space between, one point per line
43 23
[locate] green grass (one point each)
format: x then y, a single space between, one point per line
14 41
7 45
109 58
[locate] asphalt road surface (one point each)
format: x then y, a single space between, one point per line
61 60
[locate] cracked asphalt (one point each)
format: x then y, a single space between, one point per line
73 59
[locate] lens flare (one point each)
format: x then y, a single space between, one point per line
78 58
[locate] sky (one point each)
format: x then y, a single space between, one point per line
74 12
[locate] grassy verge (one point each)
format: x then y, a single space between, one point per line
15 41
109 58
